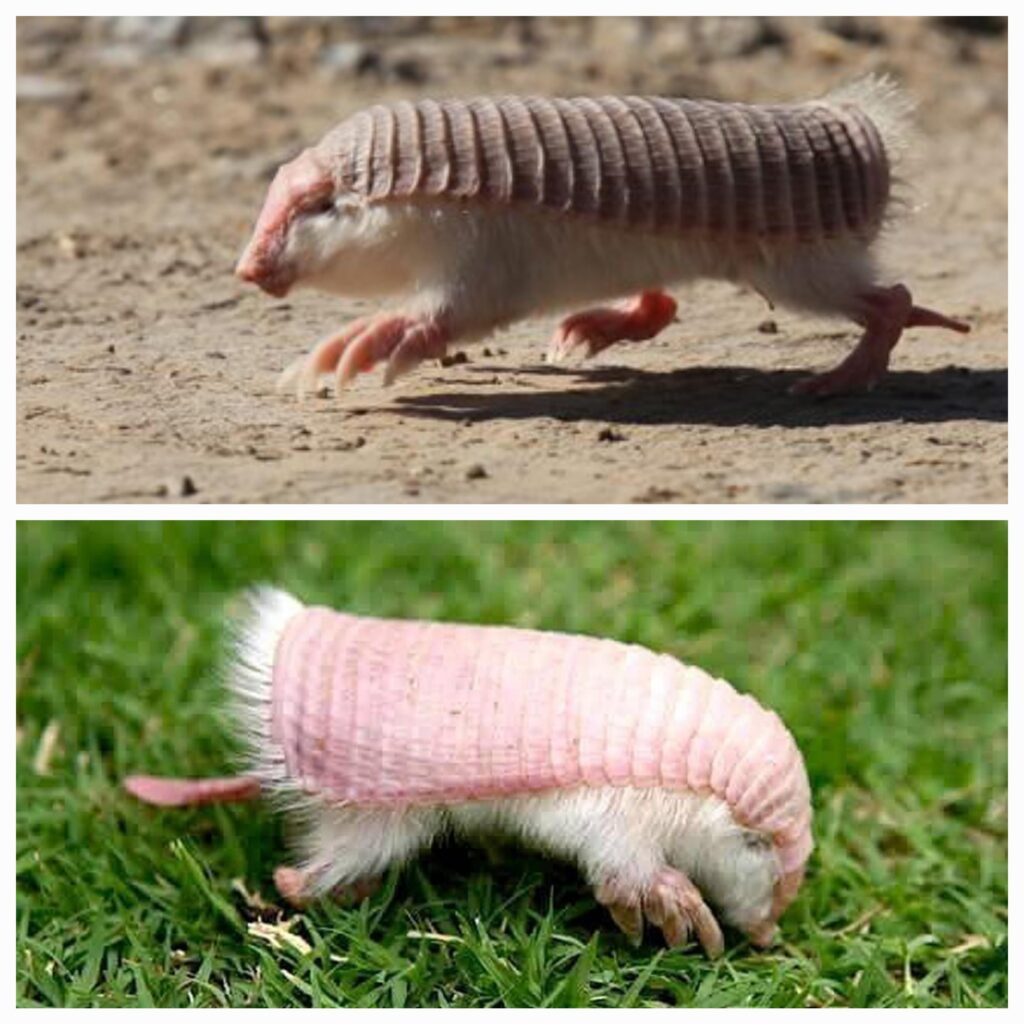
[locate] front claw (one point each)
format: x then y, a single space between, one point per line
671 902
402 342
624 908
303 375
426 340
675 905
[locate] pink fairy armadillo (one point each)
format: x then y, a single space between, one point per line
659 781
484 211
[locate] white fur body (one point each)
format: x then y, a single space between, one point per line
621 832
480 268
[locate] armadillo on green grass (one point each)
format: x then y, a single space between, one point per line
662 783
480 212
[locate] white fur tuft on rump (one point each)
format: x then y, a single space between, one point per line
250 678
889 107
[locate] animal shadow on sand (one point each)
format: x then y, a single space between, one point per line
720 396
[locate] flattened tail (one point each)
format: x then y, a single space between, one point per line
250 676
165 792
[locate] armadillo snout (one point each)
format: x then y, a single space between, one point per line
298 186
259 271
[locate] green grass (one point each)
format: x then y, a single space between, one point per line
882 645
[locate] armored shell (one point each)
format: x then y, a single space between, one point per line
802 172
377 712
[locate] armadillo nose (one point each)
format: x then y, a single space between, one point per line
247 270
255 272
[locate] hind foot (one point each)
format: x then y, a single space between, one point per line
670 902
298 887
402 341
887 313
593 330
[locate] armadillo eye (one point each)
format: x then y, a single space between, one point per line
322 207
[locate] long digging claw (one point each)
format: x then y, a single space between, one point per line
299 376
675 905
630 920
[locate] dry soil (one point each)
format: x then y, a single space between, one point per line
146 372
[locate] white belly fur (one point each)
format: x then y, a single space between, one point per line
486 268
630 833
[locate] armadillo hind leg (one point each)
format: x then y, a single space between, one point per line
887 312
347 848
299 887
594 330
669 901
294 885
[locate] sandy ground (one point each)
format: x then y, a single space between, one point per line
146 372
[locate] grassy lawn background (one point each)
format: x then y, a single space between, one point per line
882 645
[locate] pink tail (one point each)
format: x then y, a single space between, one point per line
920 316
190 792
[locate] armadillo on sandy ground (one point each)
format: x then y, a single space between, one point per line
481 212
663 784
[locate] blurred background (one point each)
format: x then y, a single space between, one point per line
144 149
881 645
733 57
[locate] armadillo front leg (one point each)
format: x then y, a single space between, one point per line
304 374
624 905
593 330
674 904
671 902
401 341
887 312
